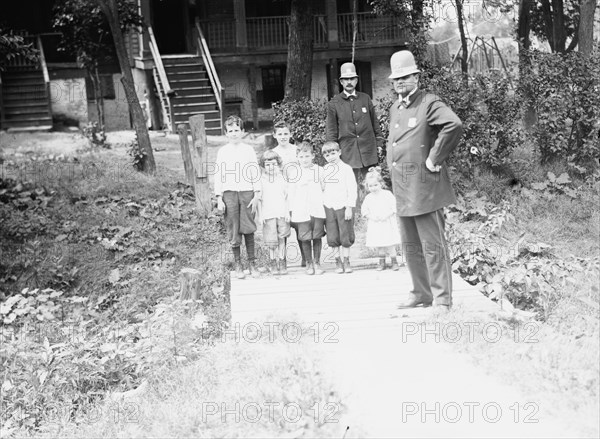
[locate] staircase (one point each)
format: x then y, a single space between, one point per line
25 100
193 93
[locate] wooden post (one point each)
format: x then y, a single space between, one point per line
199 155
333 40
185 153
252 76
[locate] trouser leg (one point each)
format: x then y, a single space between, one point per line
415 261
431 230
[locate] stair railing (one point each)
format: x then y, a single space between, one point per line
162 82
44 67
1 104
218 90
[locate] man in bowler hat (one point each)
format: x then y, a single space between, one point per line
352 123
423 133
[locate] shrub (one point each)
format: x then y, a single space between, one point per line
564 91
307 119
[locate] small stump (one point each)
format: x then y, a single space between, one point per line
190 284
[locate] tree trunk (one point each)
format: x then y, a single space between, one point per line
98 98
558 29
585 32
523 30
109 7
300 51
464 67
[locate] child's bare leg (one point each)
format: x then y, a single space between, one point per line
317 245
281 250
391 250
339 266
381 252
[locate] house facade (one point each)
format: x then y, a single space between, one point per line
221 57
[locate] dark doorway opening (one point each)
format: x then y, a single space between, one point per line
169 25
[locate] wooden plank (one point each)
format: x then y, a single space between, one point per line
364 297
185 154
199 155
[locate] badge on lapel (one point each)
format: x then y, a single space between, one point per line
412 122
364 109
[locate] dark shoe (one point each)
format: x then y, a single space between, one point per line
283 267
441 309
395 266
303 263
318 269
239 272
310 268
339 267
347 267
413 303
381 265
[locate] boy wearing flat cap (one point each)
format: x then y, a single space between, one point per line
423 133
352 123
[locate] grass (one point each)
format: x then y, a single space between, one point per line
119 239
100 217
561 368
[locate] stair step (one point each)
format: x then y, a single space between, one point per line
30 128
26 122
20 104
40 109
200 106
17 82
21 90
193 99
178 61
15 76
175 76
193 91
185 68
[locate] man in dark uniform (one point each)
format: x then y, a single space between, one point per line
352 123
423 133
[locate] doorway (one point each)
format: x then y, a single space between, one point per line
169 22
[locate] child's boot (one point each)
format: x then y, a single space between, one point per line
272 266
347 267
339 267
239 272
253 269
310 268
381 265
394 264
318 269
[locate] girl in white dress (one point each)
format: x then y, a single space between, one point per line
379 207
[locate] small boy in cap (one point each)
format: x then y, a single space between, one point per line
423 133
352 123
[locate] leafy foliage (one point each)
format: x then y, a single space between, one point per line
95 134
566 96
12 45
526 273
307 119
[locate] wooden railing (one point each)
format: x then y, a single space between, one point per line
218 90
161 82
272 32
371 28
1 104
44 68
23 62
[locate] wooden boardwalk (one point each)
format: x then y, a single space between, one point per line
365 298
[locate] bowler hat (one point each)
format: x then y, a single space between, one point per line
348 71
402 64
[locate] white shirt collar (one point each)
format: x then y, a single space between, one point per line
406 99
348 94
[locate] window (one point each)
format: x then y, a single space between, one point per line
107 87
273 82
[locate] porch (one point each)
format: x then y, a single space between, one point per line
270 34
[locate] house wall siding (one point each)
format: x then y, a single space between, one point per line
68 99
